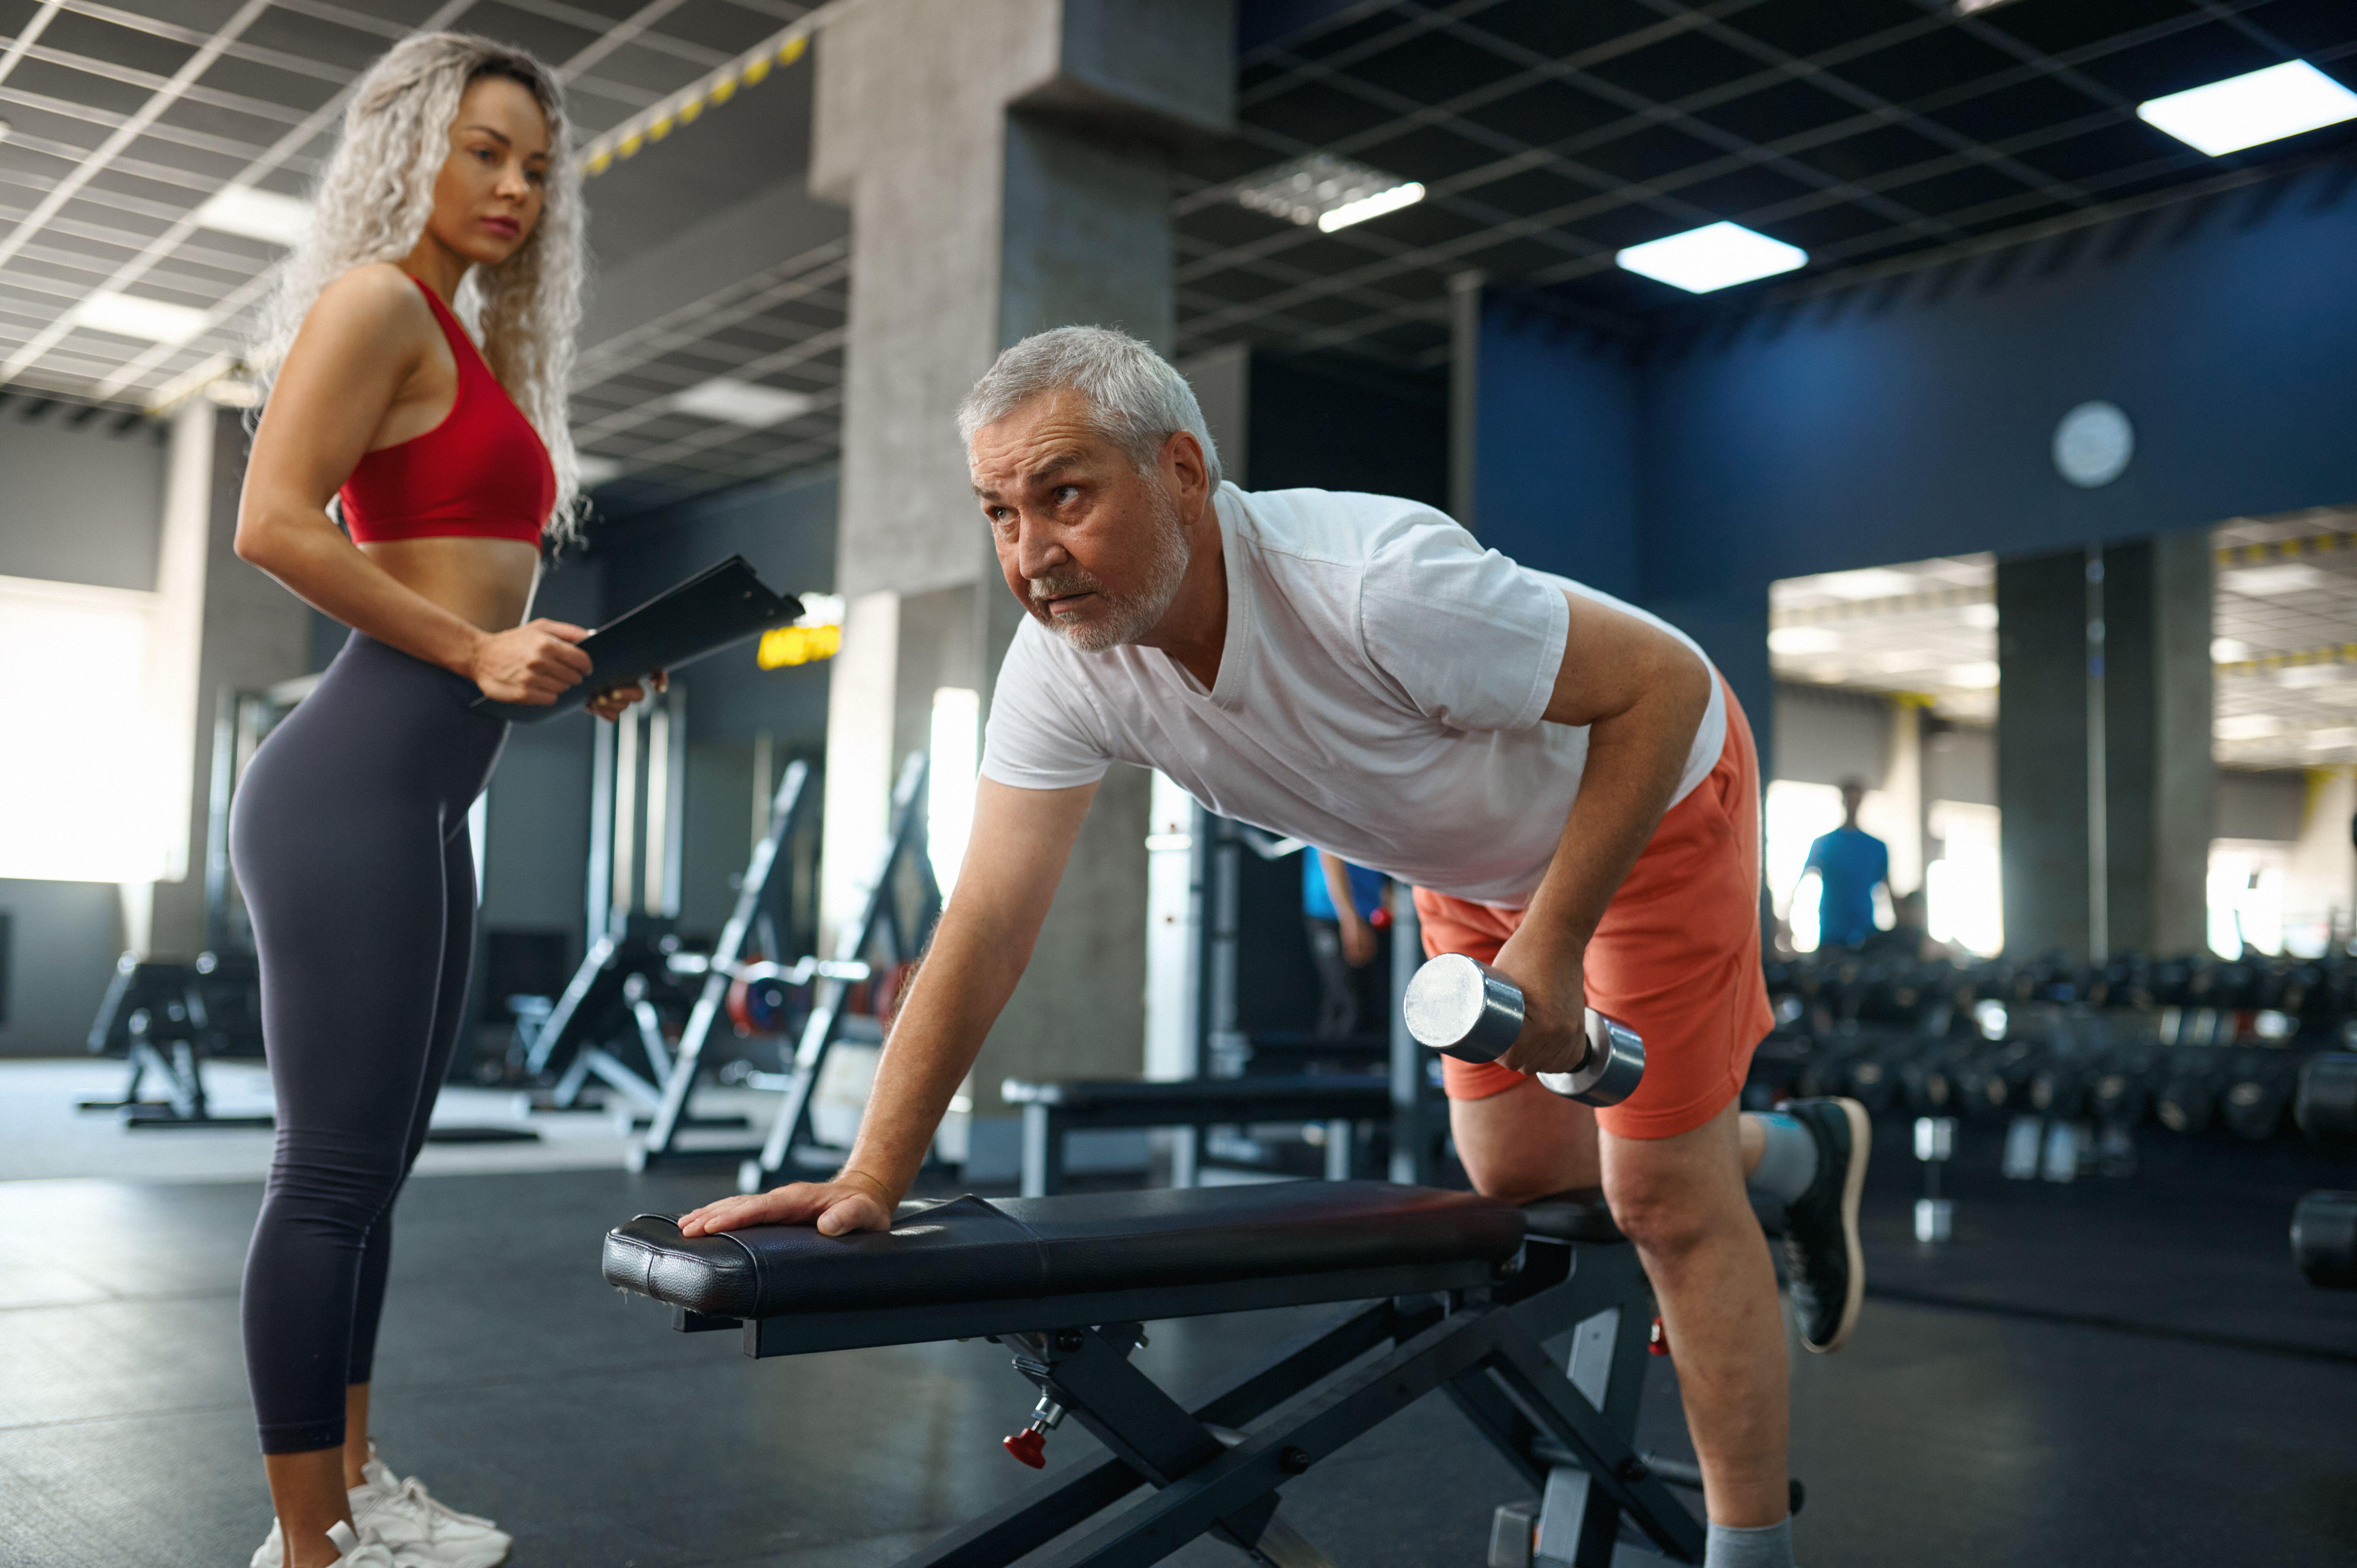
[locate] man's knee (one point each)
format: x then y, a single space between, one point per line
1670 1208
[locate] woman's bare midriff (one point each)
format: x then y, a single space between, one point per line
487 583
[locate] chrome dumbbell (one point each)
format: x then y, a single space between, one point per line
1461 1007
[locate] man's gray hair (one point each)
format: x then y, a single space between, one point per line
1139 398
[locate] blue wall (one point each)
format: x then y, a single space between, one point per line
1912 418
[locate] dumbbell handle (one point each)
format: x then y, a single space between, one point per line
1461 1007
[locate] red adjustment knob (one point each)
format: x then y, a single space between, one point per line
1029 1446
1659 1344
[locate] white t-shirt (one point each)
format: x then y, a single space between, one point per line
1378 696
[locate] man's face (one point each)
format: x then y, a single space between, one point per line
1092 548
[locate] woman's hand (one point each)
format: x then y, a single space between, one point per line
852 1201
535 664
1357 939
610 705
1554 1002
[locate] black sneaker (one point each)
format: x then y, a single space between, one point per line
1821 1252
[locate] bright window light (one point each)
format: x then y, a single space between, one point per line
135 316
1715 256
257 214
956 748
2246 895
1330 192
81 801
2257 107
742 403
1964 891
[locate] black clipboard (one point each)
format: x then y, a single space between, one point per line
719 607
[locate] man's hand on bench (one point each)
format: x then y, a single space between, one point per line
852 1201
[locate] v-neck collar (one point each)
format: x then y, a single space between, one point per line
1227 689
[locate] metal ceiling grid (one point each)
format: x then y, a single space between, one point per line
122 120
1925 627
1548 136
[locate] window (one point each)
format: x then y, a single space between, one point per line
83 793
1963 890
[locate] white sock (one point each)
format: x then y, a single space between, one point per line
1787 1158
1769 1546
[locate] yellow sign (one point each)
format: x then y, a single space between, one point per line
792 645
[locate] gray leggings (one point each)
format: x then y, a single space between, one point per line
348 835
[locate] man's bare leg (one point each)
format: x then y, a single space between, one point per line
1681 1201
1525 1143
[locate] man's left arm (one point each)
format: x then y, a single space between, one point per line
1641 693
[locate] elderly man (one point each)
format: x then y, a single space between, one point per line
1564 780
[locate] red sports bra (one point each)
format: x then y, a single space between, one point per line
482 473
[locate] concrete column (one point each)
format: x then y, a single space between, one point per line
2104 777
1005 168
230 629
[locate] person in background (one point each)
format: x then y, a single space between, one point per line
1850 863
1342 906
1909 936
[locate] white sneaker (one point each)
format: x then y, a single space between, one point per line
361 1549
406 1515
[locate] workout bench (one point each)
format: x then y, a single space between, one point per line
1459 1294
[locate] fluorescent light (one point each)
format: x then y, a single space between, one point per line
2325 739
230 392
136 316
2228 650
1980 677
2248 110
1980 617
1869 582
596 470
2303 676
1803 640
257 214
2266 582
742 403
2247 727
1373 206
1717 255
1330 192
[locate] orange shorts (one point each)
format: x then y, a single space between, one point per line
1676 957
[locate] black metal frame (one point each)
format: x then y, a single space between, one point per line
670 1112
1342 1102
1455 1327
899 933
156 1017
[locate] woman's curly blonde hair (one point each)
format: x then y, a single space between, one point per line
371 203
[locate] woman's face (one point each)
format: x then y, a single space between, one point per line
495 181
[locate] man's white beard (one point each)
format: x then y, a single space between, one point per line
1126 618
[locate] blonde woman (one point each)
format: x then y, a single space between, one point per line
350 833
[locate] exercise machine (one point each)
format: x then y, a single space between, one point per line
1442 1291
896 920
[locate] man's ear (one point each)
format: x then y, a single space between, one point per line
1185 455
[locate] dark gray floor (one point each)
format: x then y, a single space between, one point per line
2106 1374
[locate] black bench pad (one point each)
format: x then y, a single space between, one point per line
967 1250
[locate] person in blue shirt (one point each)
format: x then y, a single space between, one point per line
1340 903
1849 863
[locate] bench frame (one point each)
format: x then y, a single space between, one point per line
1456 1327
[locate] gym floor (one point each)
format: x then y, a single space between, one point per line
2111 1372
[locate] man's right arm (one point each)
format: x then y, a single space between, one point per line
1014 860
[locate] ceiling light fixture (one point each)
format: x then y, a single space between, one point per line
2266 582
135 316
1715 257
1803 640
2228 650
742 403
1330 192
255 214
596 470
2247 727
2257 107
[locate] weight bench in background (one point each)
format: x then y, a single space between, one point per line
1457 1293
1053 1112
